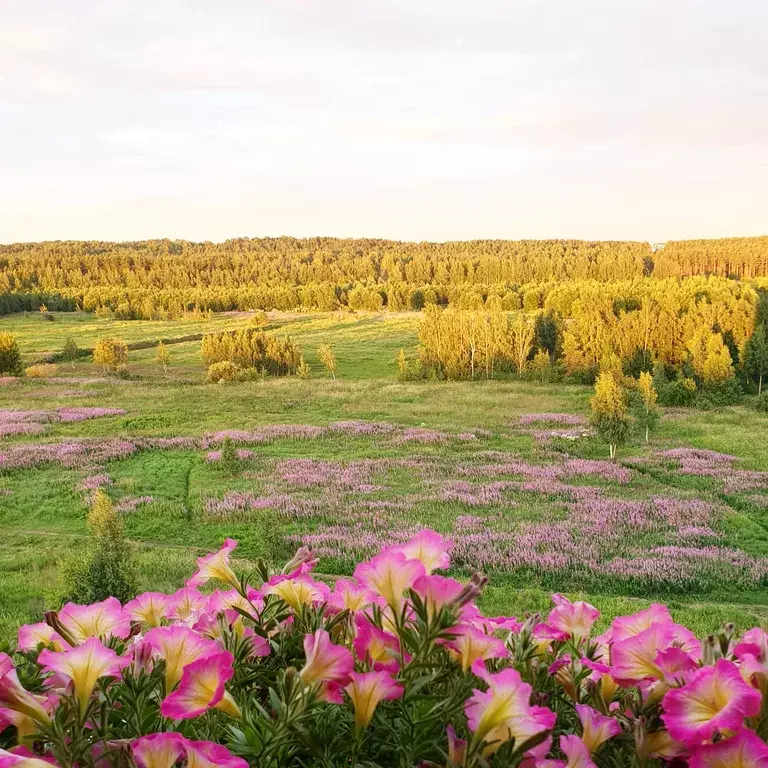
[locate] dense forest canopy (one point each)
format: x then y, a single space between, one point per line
143 278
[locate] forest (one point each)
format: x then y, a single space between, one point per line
157 279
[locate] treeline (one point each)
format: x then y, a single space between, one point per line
702 331
159 278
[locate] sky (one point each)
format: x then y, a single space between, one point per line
403 119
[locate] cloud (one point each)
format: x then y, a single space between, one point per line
420 119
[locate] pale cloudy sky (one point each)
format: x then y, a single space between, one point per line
409 119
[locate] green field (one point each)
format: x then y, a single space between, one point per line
707 540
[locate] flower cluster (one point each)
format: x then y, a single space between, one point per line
34 422
394 666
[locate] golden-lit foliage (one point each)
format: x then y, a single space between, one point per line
251 348
658 318
160 278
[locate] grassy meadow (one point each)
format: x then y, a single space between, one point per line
347 465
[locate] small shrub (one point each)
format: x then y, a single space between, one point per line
229 462
760 403
41 370
106 568
222 371
304 371
10 356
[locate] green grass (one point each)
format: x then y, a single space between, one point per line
43 518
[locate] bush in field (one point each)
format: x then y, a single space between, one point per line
393 667
761 403
41 370
328 359
107 568
609 412
304 371
677 392
252 348
111 354
223 371
229 462
10 356
71 352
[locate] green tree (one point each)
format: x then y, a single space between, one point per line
609 412
70 351
10 356
756 356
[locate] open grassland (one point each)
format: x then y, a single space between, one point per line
347 465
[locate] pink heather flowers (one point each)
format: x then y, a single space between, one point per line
398 654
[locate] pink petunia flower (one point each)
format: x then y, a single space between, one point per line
503 711
473 645
637 658
104 620
185 604
437 591
158 750
297 592
430 548
576 619
366 690
348 595
457 748
202 687
149 608
744 750
596 728
374 646
164 750
84 666
389 575
714 699
15 697
21 757
179 646
628 626
215 566
31 635
326 662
